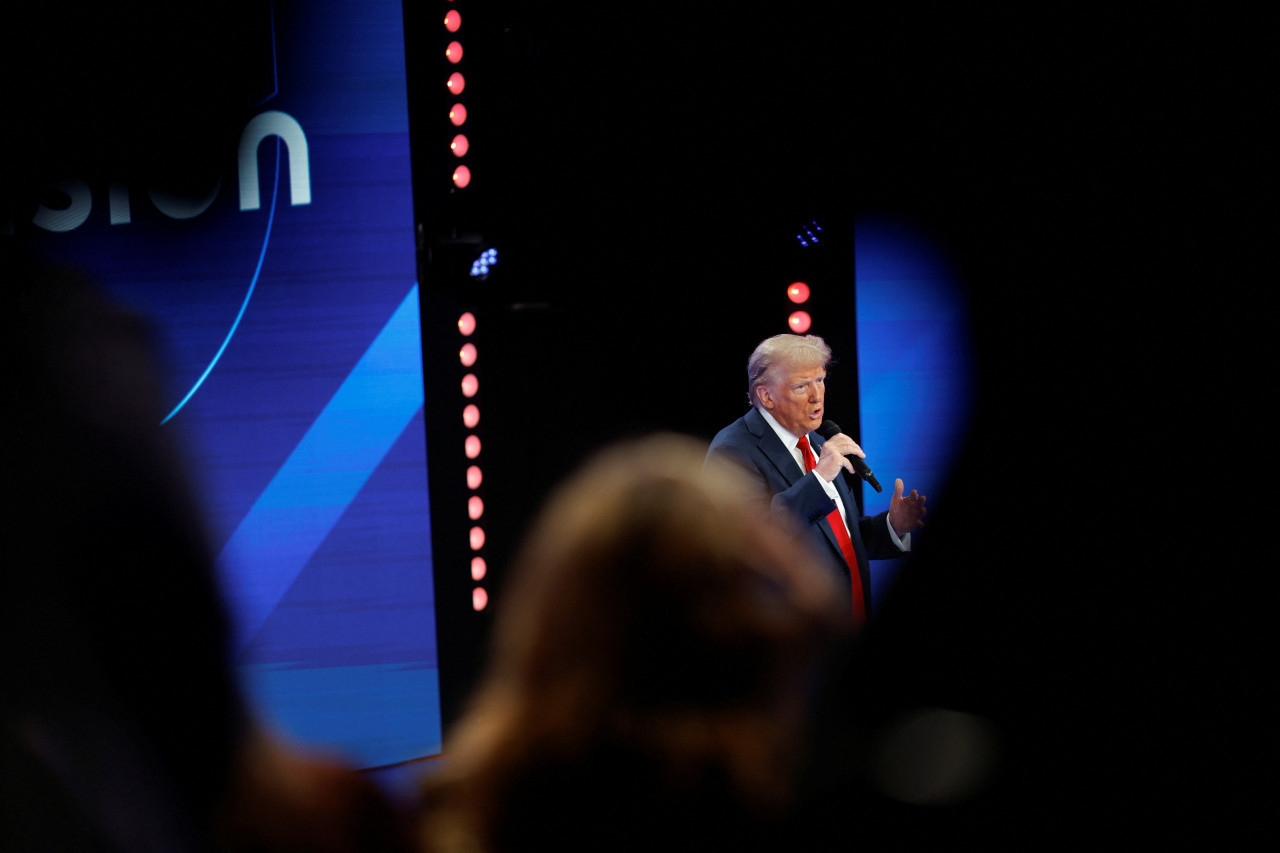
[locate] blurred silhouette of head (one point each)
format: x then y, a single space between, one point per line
655 639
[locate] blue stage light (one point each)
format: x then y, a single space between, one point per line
481 266
810 235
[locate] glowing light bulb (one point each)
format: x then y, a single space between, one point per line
474 477
799 321
481 266
471 416
475 508
456 83
478 568
458 115
798 292
462 176
472 446
470 385
459 146
479 599
467 355
453 52
467 323
452 21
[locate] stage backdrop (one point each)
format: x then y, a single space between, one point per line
287 309
915 379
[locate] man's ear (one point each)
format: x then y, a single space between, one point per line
763 395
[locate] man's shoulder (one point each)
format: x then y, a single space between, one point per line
739 432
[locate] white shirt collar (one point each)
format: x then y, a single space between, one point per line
786 436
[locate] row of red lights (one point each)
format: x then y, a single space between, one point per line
456 84
799 321
468 355
459 145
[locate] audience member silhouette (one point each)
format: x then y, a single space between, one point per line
121 724
122 727
648 676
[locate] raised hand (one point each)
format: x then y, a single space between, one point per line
906 512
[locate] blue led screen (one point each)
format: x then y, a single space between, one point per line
915 376
286 308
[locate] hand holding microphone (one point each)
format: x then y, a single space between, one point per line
831 428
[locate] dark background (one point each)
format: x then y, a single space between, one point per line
1094 582
1100 182
1103 183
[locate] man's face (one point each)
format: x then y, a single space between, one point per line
796 399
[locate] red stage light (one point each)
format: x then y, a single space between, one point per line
472 446
456 83
470 385
452 21
467 323
467 355
477 538
474 477
475 508
453 52
462 176
459 146
479 599
799 322
471 416
798 292
458 115
478 568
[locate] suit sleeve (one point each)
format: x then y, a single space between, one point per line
876 538
795 507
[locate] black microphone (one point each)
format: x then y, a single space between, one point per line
830 428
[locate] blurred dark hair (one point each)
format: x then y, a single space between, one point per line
653 644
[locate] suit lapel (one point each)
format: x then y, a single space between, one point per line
846 494
851 511
778 454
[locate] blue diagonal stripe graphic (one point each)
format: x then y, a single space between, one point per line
324 474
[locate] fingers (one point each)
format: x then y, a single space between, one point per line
899 488
842 444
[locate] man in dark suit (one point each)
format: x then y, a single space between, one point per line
800 473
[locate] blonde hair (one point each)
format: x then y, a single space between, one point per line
782 352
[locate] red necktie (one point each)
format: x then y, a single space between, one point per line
842 536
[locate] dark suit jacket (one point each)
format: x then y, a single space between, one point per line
797 498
